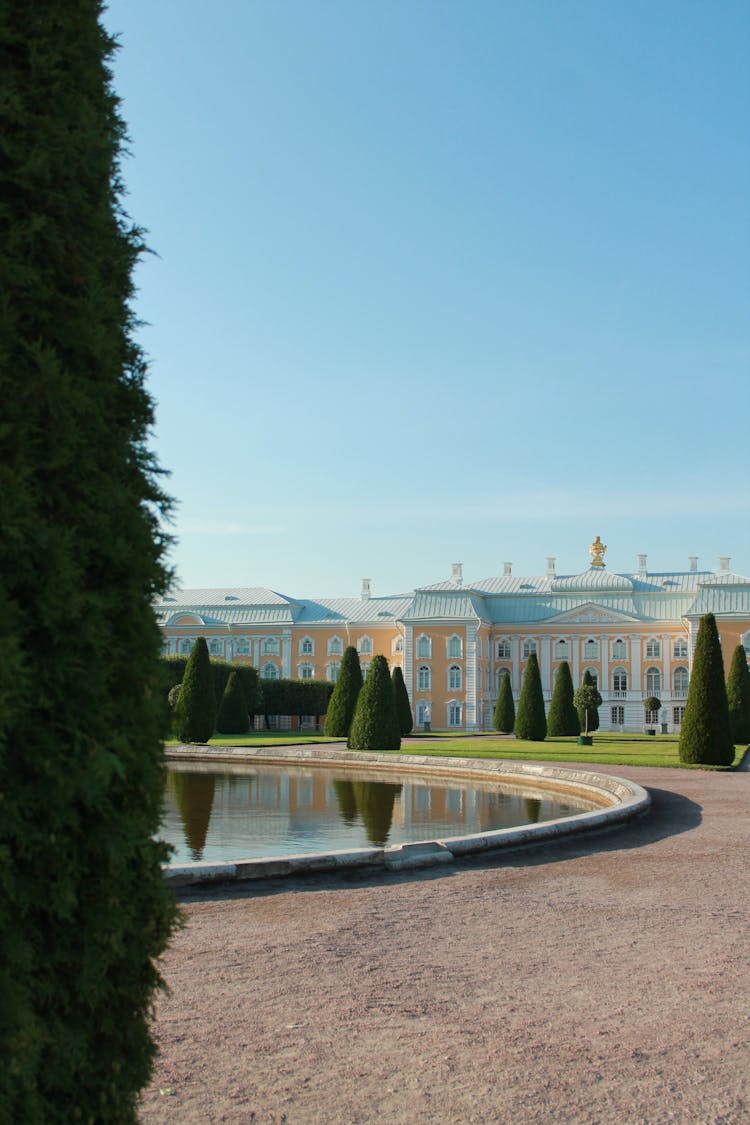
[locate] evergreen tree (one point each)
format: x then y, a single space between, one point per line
403 706
195 712
233 717
738 697
84 909
531 722
705 735
563 717
588 722
504 718
375 723
344 699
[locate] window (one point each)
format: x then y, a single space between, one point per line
424 648
424 678
269 672
562 650
652 718
364 646
424 710
591 649
503 650
455 678
455 714
398 644
680 650
620 681
242 646
680 681
365 670
455 647
335 646
185 646
499 677
619 650
305 671
332 672
215 646
618 716
653 649
653 681
306 646
678 714
529 646
270 646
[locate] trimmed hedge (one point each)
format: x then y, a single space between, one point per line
233 717
403 706
504 717
738 697
173 670
531 721
195 710
375 723
344 699
705 735
595 701
563 718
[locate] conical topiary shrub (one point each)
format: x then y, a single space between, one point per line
403 706
195 711
705 736
531 721
504 717
563 719
233 717
738 697
588 722
375 723
342 703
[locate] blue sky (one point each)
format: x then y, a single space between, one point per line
439 282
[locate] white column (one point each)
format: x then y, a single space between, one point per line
604 685
545 653
286 654
635 664
515 655
470 717
575 645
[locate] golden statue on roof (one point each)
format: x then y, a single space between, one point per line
597 551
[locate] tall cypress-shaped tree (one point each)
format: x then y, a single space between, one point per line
84 910
531 722
705 736
375 723
344 699
233 717
195 712
403 706
589 722
563 718
738 697
504 717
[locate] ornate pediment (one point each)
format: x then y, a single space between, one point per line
591 614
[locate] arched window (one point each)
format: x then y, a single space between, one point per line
332 671
242 646
529 646
653 681
186 644
305 671
455 678
499 677
424 678
398 644
335 646
680 649
215 646
364 646
591 649
562 650
455 713
653 649
306 646
619 649
455 647
270 646
269 672
424 648
619 681
680 681
503 650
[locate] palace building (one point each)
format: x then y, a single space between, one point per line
635 633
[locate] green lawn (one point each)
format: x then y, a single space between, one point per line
608 749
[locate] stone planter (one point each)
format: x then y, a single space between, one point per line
585 740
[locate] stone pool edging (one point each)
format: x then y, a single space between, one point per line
620 801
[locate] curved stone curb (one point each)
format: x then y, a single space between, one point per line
619 801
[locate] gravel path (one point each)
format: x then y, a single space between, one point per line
601 980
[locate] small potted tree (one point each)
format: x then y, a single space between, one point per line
587 699
651 706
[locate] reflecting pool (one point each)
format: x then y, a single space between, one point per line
247 812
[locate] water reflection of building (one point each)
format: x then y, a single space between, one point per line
635 633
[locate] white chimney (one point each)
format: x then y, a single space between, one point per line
457 573
642 565
507 567
551 560
365 589
693 560
724 564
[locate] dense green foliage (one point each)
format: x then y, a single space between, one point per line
705 735
195 710
173 669
504 715
295 697
531 722
587 704
563 716
375 723
84 910
344 699
403 706
233 717
738 697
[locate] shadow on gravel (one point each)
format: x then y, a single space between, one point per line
669 815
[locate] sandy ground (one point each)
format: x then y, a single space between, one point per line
596 981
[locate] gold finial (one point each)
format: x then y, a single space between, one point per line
597 551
